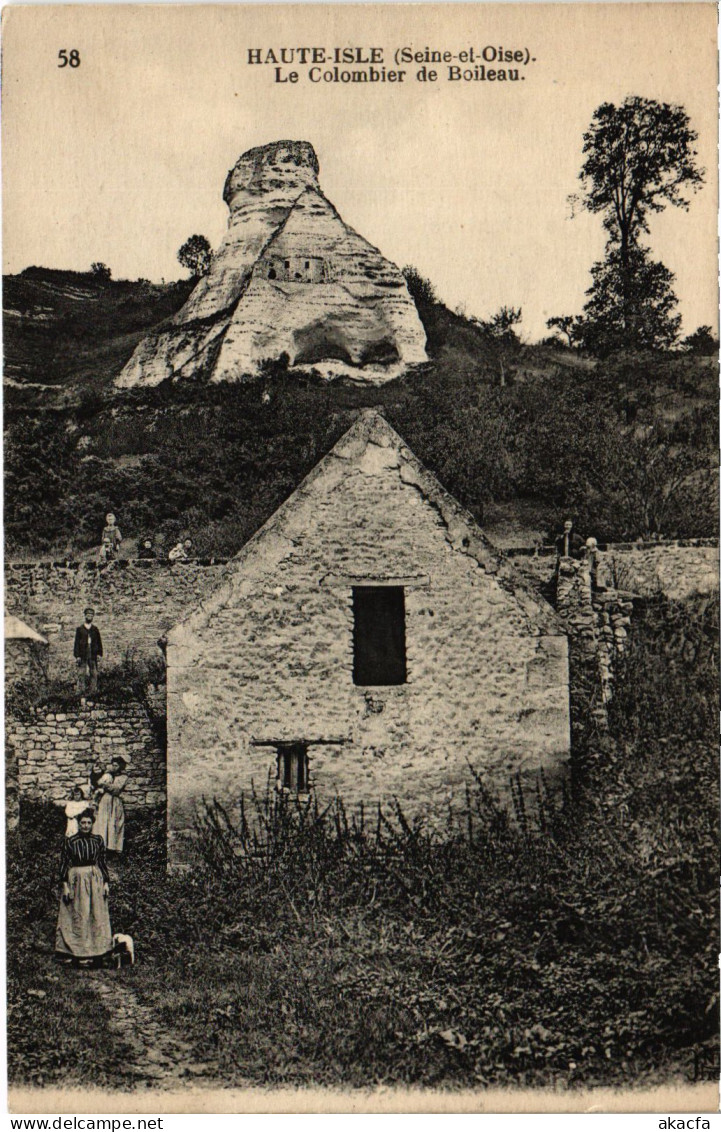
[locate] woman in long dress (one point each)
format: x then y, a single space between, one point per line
83 933
110 822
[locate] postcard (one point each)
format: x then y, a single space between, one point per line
361 557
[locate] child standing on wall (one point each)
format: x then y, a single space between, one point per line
110 540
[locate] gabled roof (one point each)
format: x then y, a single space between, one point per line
17 630
461 530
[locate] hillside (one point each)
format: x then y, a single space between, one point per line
63 327
521 434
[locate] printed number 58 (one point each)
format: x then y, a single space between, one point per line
71 58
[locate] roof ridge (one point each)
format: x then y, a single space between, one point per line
454 514
462 531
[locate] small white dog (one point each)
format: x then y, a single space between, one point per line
123 950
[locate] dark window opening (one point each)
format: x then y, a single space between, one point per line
271 273
293 768
379 635
307 264
287 264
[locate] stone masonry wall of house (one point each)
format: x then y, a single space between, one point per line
270 657
675 569
137 602
53 751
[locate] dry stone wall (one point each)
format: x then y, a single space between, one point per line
51 751
613 612
135 603
676 569
598 621
599 616
286 613
25 661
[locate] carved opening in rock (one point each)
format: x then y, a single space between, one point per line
298 270
319 342
384 352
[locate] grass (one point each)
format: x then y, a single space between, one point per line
58 1026
306 947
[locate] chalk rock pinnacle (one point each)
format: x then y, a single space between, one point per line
289 277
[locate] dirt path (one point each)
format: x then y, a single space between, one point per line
157 1057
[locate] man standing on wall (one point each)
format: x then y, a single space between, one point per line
569 544
87 652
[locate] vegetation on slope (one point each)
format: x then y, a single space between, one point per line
627 445
63 327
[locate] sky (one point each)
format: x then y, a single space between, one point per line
123 157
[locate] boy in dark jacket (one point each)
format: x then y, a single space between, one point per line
87 652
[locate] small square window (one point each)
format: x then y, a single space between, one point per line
293 768
379 635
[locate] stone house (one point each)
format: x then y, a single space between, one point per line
367 643
371 643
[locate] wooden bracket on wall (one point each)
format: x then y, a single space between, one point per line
293 742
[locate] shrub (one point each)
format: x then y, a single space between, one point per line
123 683
307 945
